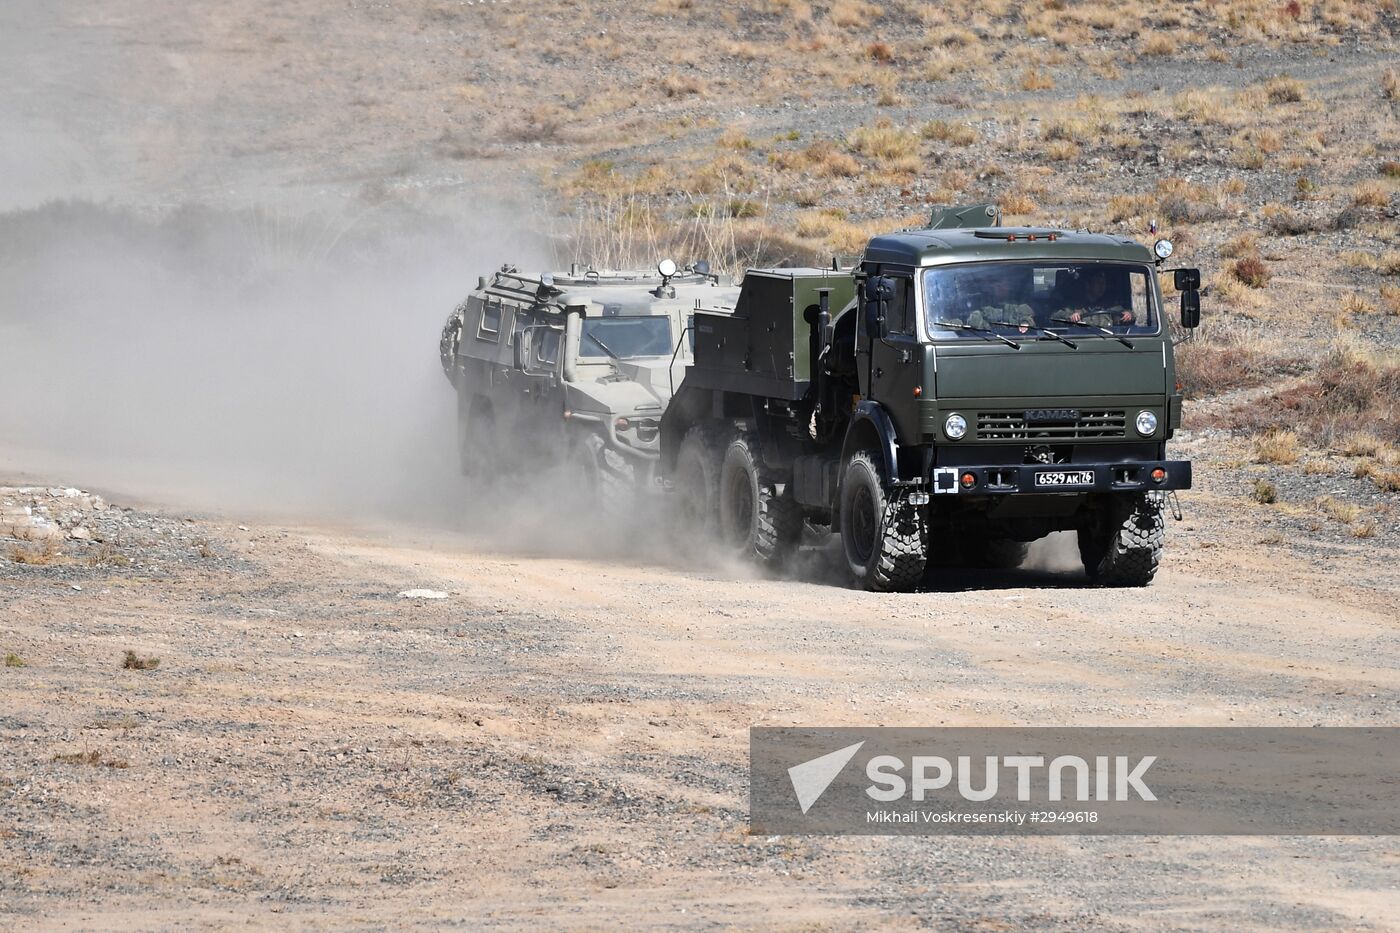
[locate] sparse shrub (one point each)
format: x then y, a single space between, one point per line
1157 43
679 85
1304 186
1061 150
1370 194
1287 222
1390 297
1353 303
1390 84
1035 80
1364 530
851 13
1360 444
93 759
134 662
890 147
880 52
1389 169
1284 90
1263 492
1277 446
38 554
13 660
1246 244
1344 512
1017 203
946 131
1251 271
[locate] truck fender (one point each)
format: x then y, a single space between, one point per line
871 428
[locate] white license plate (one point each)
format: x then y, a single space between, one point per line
1065 478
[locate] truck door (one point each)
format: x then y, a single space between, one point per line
895 362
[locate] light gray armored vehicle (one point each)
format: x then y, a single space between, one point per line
573 368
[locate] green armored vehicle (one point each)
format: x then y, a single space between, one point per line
967 389
573 368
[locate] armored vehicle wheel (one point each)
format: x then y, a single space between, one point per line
476 439
697 483
754 519
600 487
1121 545
885 539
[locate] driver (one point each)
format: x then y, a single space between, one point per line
1095 307
1002 308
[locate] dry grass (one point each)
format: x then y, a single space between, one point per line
1035 80
1263 492
1251 271
1344 512
13 660
680 85
1370 194
37 554
134 662
1354 389
891 148
1390 84
945 131
822 159
93 759
1352 303
1277 446
1284 90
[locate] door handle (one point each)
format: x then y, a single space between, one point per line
879 372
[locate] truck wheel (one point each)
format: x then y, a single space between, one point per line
697 483
1122 544
754 520
885 539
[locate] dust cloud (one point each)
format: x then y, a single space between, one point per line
243 359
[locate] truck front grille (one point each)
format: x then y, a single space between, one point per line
1012 426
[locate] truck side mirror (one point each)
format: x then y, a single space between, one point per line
1186 280
522 350
1190 309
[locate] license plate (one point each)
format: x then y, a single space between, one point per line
1065 478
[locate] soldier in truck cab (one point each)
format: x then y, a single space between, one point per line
1095 305
1001 307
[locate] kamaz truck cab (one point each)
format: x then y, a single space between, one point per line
968 389
573 367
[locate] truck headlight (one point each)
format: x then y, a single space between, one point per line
955 427
1146 423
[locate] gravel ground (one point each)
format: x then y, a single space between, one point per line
562 741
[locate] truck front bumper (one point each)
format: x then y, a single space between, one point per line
1063 478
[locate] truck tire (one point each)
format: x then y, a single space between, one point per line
755 520
1122 544
697 483
884 538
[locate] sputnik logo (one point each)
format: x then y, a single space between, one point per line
811 778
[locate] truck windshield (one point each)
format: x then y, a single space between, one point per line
626 337
1086 298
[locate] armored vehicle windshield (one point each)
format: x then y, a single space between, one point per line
963 301
626 337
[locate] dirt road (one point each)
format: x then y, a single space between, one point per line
562 741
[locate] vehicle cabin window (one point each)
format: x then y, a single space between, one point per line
547 341
901 313
490 326
965 302
625 337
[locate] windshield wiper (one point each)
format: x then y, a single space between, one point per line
958 325
1105 331
1046 331
606 349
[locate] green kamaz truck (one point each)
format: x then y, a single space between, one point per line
965 390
